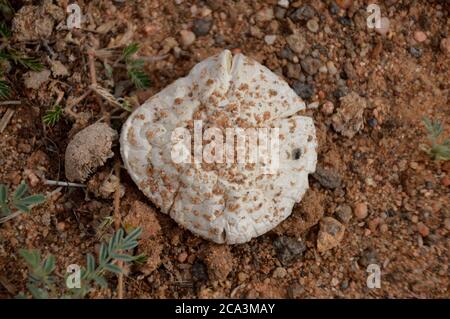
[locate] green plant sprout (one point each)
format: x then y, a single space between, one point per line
438 151
41 283
135 67
52 116
19 202
7 53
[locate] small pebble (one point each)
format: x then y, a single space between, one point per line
372 122
345 21
344 213
305 91
373 224
242 276
328 108
312 25
415 52
286 53
420 36
424 231
182 257
187 37
310 65
303 13
331 68
288 249
283 3
280 13
293 71
367 257
323 69
60 226
334 8
334 282
361 210
340 92
296 42
270 39
327 177
313 105
199 271
331 233
201 27
264 15
279 272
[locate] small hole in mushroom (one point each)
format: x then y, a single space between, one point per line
296 153
224 236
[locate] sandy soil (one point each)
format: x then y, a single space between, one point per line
390 199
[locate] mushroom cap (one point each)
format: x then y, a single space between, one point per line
223 202
89 149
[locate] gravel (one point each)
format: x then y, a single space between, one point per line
415 52
296 42
270 39
367 257
344 213
187 37
310 65
199 272
287 53
327 178
361 210
288 249
293 71
280 13
330 235
304 13
345 21
331 68
202 26
283 3
312 25
305 91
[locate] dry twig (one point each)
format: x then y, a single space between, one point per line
118 222
5 119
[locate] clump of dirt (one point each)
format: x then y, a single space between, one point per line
142 215
33 23
219 261
304 216
103 185
349 120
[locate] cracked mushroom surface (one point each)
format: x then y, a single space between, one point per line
223 202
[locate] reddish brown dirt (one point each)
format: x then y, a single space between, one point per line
406 230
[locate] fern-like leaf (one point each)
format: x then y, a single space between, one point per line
5 90
130 50
139 78
19 59
4 30
52 116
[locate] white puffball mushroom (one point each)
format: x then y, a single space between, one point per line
223 202
89 149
